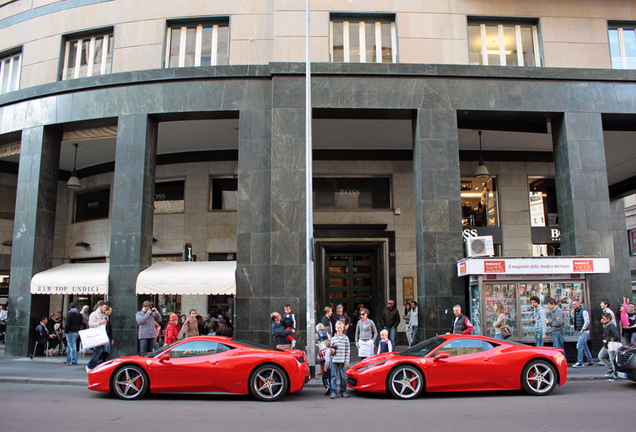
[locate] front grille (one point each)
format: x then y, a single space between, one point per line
623 358
352 382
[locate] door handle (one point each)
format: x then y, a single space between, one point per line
214 362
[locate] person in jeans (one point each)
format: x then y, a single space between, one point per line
500 321
96 319
582 326
72 326
390 320
340 356
146 319
605 308
610 334
557 322
538 318
414 323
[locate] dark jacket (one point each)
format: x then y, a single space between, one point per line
327 324
390 318
280 334
344 318
73 322
41 333
610 333
461 326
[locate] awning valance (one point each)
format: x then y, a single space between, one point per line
199 277
72 279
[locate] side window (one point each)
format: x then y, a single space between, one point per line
488 346
222 348
194 349
459 347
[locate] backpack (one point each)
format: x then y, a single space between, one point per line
323 335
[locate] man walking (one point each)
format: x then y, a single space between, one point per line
96 319
582 326
146 318
390 320
72 326
461 323
413 322
605 308
538 318
557 322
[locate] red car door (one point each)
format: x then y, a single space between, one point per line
192 367
467 368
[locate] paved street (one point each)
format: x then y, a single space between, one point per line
578 406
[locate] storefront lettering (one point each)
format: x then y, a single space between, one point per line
494 267
583 265
467 233
68 290
349 191
555 234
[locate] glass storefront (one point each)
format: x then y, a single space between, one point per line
479 202
544 217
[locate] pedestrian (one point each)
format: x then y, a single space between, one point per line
500 321
147 333
628 321
581 320
190 326
340 355
172 330
200 326
407 319
43 337
85 317
385 345
3 314
461 323
321 336
324 356
326 320
223 329
97 319
289 321
390 320
413 323
610 334
605 308
53 331
182 319
109 333
366 333
72 326
557 322
538 318
341 316
279 332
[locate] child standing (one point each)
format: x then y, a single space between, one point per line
340 355
289 322
324 356
321 336
385 345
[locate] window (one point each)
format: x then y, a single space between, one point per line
197 44
479 202
169 196
92 205
622 47
423 348
352 193
10 72
197 348
88 55
363 40
543 204
631 235
224 193
459 347
503 44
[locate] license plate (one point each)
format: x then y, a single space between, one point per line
622 375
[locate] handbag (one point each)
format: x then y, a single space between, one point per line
505 331
93 337
614 346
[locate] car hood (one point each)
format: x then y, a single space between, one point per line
373 359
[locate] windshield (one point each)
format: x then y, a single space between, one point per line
160 350
423 348
254 344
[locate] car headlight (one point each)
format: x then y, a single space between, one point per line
372 364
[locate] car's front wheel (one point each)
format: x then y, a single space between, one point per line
539 378
130 382
405 382
268 383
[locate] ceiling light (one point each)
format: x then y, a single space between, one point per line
482 170
73 182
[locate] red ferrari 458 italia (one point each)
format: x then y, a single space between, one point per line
461 363
205 364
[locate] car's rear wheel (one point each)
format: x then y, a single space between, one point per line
405 382
268 383
130 382
539 378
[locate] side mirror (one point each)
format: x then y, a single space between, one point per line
164 358
441 356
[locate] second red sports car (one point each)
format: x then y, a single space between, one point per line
461 363
205 364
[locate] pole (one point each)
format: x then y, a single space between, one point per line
309 215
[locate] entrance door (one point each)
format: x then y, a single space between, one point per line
350 281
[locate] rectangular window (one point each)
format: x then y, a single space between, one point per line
631 235
92 205
88 55
363 40
224 192
190 45
169 196
479 202
10 72
352 193
543 204
622 42
503 44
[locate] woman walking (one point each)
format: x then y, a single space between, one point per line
366 333
500 320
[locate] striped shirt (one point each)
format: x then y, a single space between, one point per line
343 351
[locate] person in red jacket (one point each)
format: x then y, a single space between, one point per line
172 330
461 323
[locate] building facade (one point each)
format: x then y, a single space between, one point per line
190 124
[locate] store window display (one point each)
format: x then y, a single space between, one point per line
479 202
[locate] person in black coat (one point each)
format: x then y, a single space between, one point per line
610 334
109 333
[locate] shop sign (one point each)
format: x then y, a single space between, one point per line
498 266
546 235
65 290
495 232
9 150
532 266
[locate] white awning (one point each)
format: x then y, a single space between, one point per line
72 279
199 277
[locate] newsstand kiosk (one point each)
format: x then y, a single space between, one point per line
512 281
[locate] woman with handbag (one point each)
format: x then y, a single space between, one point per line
500 320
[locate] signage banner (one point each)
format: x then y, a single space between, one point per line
532 266
10 149
546 235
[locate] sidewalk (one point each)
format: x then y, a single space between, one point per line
52 370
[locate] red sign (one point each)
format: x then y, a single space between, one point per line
495 266
583 265
462 268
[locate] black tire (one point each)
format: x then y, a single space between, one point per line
539 378
268 383
130 382
405 382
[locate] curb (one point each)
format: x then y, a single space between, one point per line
47 381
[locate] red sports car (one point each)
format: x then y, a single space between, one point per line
205 364
461 363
